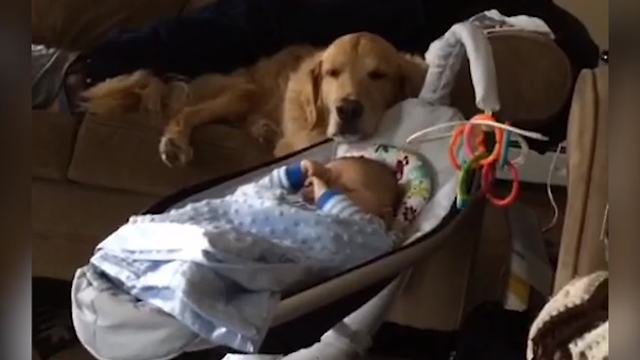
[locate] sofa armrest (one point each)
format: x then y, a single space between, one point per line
582 249
121 152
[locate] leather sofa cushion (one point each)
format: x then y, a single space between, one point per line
122 153
69 220
53 136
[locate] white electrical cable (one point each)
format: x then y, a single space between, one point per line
524 133
552 200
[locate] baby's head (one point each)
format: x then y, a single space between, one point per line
369 184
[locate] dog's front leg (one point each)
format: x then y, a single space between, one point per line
175 145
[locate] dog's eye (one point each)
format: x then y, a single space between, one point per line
334 73
376 75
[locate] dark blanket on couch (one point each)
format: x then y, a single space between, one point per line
232 33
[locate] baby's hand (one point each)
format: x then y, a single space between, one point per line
319 187
313 169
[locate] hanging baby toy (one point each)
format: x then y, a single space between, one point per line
469 149
466 137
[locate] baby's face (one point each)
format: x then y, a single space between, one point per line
368 184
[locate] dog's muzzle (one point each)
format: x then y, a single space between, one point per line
350 112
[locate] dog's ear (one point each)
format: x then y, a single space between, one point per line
303 98
413 72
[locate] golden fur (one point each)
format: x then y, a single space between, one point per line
288 100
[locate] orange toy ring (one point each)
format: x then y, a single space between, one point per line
480 140
466 136
487 172
453 147
496 152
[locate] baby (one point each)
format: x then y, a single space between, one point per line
369 186
222 263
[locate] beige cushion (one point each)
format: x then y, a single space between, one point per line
64 208
534 79
59 257
582 249
52 143
123 154
69 220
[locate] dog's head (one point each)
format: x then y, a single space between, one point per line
356 79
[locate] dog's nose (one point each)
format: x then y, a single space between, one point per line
349 110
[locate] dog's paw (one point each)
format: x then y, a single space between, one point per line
175 152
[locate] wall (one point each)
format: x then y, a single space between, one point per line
594 14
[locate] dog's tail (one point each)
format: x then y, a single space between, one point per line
138 91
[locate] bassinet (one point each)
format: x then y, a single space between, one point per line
307 314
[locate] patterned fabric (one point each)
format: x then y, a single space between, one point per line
412 175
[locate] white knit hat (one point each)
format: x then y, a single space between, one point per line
574 325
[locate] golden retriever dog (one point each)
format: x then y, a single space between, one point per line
291 100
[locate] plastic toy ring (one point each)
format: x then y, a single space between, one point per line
479 137
487 174
498 132
506 139
462 191
453 146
